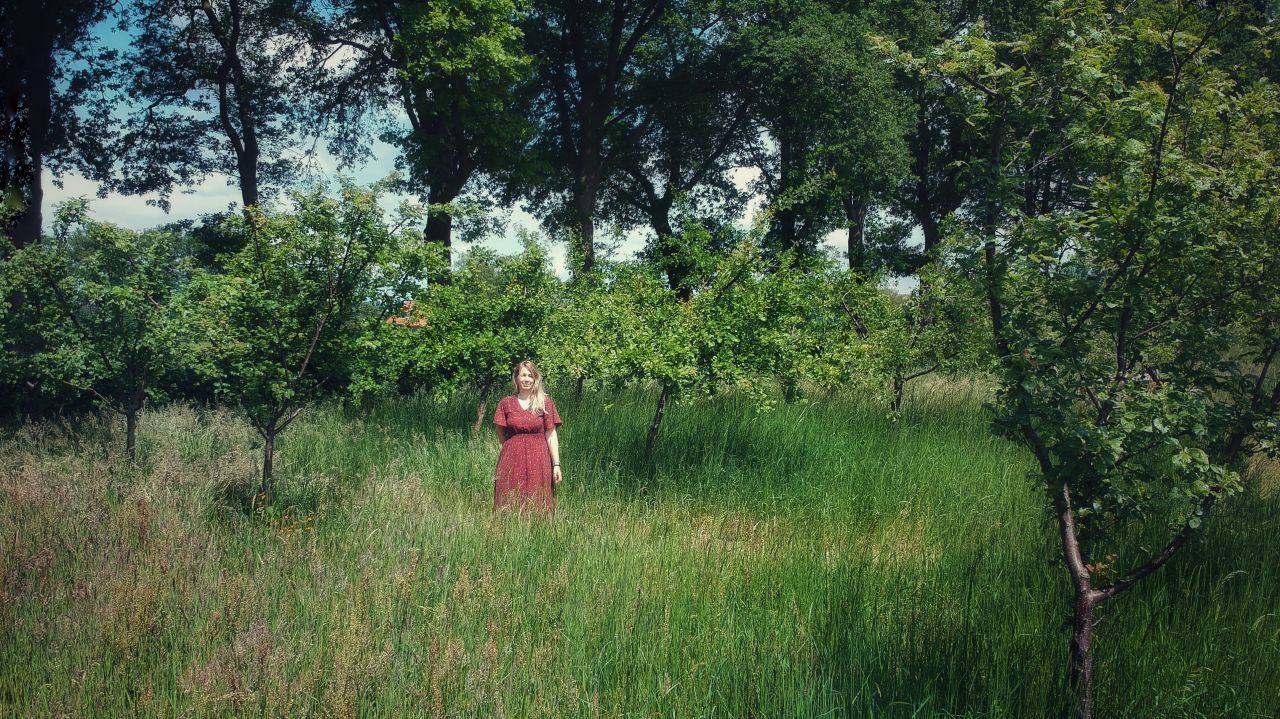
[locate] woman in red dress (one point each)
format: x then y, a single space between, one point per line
529 464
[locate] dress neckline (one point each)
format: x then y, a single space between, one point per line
516 397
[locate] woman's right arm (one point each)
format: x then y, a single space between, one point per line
502 433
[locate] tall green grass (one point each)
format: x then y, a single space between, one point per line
820 559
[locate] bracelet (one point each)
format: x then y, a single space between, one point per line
555 464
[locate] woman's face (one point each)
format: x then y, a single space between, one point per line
525 379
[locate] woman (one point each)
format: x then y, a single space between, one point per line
529 464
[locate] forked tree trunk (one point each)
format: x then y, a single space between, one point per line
652 441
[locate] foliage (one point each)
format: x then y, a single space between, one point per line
97 314
834 122
435 80
282 327
51 74
469 331
1136 330
213 87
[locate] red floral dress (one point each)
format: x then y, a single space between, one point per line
523 478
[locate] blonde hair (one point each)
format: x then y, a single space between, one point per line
537 395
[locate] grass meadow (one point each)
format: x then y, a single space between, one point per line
817 560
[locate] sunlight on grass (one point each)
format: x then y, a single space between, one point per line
821 559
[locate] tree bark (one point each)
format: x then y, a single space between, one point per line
482 407
651 442
584 199
855 210
1082 653
439 231
132 409
268 457
677 270
31 88
131 433
577 387
786 217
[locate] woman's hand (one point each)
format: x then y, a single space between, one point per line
555 474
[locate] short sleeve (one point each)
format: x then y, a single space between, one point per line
550 418
500 413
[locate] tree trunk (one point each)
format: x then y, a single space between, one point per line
786 216
577 387
855 211
651 441
131 433
482 407
1082 654
899 384
585 207
990 220
132 409
32 88
439 231
677 270
932 233
268 456
248 169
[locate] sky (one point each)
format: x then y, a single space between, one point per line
216 194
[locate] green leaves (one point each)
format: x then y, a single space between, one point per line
282 326
1139 319
96 313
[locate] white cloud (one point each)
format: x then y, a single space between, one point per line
132 211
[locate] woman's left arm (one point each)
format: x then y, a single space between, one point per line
553 443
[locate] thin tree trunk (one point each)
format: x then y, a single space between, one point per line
131 433
651 441
577 387
855 210
132 409
786 216
268 456
482 407
1082 654
899 384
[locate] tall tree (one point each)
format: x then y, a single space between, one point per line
213 88
581 98
693 125
829 118
49 70
942 145
437 79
